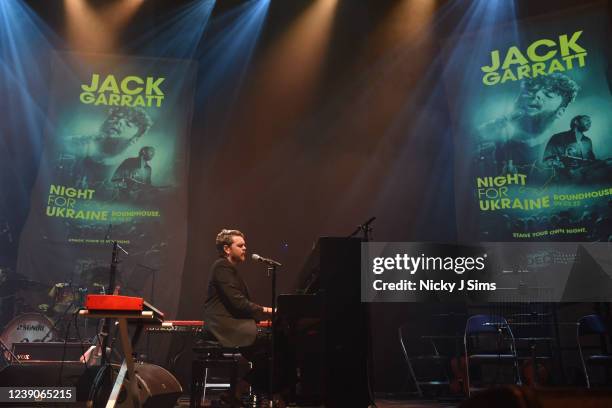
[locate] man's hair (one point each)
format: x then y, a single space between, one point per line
558 83
575 120
145 149
225 238
136 116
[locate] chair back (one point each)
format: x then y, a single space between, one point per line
489 324
591 324
484 324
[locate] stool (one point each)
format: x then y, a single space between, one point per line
212 355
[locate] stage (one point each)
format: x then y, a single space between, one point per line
328 199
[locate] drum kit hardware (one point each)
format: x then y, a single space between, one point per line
42 313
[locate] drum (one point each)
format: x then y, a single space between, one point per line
28 327
67 299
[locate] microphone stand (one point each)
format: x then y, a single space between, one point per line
272 387
365 228
111 288
105 367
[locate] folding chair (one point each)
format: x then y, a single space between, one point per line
489 325
592 325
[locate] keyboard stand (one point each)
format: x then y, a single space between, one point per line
127 367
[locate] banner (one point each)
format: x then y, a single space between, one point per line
114 168
531 110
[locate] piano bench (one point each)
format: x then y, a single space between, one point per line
212 355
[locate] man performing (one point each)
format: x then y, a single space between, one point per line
133 176
229 313
519 137
570 153
122 128
573 144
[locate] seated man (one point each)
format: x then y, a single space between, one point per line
229 313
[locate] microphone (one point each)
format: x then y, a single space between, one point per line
256 257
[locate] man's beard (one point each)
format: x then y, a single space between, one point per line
536 124
237 258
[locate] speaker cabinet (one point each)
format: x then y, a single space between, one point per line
157 387
49 351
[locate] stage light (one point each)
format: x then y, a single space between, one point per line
233 36
408 20
97 29
27 43
292 65
178 35
303 47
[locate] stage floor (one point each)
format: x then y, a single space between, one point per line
380 403
387 403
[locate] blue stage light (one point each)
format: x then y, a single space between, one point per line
180 33
26 44
231 39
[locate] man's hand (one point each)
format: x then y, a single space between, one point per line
267 310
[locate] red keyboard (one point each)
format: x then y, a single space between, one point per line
114 302
100 304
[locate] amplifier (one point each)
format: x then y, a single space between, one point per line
49 351
157 387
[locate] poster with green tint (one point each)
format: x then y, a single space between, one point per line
531 108
114 168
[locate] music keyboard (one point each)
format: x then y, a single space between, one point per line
187 326
178 326
117 306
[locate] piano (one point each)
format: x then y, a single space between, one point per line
321 329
